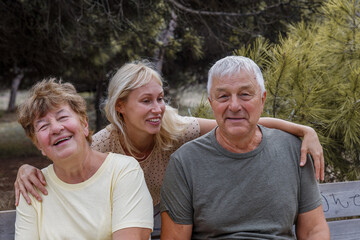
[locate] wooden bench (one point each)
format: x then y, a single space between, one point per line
340 200
7 224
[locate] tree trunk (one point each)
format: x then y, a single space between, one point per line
97 101
14 87
164 38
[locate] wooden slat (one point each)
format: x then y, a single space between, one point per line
7 224
341 199
345 229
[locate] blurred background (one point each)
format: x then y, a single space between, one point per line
308 50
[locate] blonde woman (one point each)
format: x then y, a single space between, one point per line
142 125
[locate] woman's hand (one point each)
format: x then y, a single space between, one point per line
311 144
28 177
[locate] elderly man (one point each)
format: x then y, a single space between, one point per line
242 180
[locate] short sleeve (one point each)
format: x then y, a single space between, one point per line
26 224
176 194
101 140
192 130
309 193
132 203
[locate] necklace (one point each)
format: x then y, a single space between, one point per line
138 155
141 158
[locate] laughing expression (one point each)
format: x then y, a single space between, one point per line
60 133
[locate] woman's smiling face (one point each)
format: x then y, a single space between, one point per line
143 109
60 133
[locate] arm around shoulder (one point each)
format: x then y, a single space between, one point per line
311 143
29 177
206 125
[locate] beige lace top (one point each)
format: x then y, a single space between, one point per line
154 166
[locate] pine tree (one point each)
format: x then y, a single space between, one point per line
313 77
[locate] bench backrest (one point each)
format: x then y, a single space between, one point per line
340 199
7 224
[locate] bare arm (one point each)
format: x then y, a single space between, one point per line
312 225
310 144
132 233
206 125
28 177
173 231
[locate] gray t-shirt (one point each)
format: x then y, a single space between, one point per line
225 195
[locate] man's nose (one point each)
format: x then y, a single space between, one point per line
235 104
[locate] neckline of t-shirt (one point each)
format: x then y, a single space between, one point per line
227 153
74 186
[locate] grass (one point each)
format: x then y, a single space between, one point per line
14 142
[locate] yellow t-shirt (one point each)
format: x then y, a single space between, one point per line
115 197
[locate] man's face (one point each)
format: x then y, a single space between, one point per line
237 103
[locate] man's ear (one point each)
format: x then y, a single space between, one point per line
263 98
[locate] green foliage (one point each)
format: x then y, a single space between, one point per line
313 78
203 109
193 43
79 40
257 51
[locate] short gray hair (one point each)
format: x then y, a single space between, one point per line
234 64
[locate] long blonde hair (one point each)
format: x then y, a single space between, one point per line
129 77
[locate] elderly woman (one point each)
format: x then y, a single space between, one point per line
145 127
91 195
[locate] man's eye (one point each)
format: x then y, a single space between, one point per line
222 98
245 96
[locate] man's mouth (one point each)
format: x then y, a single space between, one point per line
235 118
